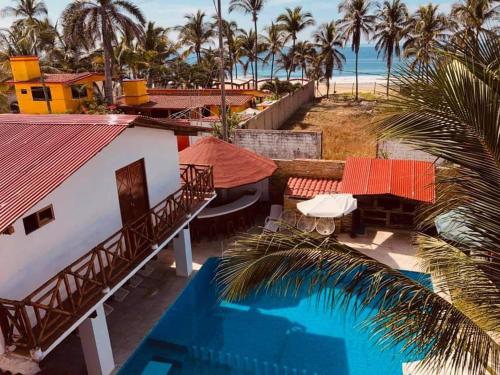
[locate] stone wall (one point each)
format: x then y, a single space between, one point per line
276 114
283 144
392 149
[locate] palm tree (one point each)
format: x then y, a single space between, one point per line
195 33
304 54
472 16
102 19
230 33
357 21
293 21
329 41
246 43
154 49
26 11
390 29
426 30
461 129
253 7
273 41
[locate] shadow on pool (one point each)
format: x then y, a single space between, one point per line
239 340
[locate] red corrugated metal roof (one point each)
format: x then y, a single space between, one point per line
232 165
300 187
410 179
38 152
177 102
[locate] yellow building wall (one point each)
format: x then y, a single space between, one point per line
25 68
234 108
135 92
62 101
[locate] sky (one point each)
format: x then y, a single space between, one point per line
171 12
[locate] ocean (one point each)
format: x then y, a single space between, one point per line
370 66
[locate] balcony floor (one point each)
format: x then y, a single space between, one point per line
141 309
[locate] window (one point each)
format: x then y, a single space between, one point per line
79 92
24 91
38 219
37 94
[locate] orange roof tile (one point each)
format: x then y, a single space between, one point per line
232 165
305 188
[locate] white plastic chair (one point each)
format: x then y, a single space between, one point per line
325 226
306 224
271 224
289 217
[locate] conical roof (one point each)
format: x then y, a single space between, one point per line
232 165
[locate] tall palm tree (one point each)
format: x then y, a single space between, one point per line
103 19
230 33
273 41
426 30
246 43
195 33
390 29
293 21
357 21
472 16
329 41
453 115
304 54
253 7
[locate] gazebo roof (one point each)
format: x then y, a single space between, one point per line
232 165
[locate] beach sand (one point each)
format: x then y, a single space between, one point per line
343 84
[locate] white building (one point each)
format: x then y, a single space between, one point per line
85 202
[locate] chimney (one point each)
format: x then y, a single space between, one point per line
25 68
134 92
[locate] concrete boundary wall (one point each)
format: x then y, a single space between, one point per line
282 144
274 116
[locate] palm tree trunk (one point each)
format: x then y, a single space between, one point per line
357 51
327 87
256 50
108 74
388 78
292 64
272 66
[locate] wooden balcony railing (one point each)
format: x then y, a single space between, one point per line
40 318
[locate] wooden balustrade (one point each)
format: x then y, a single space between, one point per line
41 317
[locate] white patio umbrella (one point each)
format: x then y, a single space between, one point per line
328 205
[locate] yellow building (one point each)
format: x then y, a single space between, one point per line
65 91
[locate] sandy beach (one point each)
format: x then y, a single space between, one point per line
343 84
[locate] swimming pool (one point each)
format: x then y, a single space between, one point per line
199 335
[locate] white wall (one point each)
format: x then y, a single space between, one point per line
86 210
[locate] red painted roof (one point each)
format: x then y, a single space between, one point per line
303 187
410 179
39 152
176 102
232 165
66 78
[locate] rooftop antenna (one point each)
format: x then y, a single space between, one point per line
225 135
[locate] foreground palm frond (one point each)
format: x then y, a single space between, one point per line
455 115
409 313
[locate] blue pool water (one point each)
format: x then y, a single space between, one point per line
265 335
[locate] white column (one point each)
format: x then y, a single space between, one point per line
183 254
96 345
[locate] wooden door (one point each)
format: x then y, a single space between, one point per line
132 191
